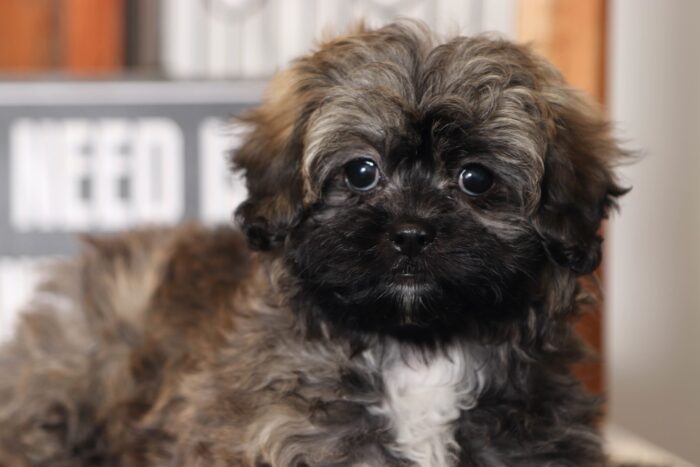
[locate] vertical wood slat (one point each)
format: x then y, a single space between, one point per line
572 35
26 29
141 35
93 33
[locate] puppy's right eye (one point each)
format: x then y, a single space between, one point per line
361 174
475 179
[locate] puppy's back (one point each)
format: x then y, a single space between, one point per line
107 338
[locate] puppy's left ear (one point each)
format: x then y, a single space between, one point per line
270 158
579 185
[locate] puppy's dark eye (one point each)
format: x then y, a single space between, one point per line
475 179
361 174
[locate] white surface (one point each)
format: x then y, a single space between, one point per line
183 38
18 279
653 303
626 448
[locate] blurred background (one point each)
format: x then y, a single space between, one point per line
116 113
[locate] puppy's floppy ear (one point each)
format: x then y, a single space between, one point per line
271 156
579 186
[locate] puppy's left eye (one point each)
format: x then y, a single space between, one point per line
475 179
361 174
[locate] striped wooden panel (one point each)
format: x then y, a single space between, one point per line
571 33
93 36
253 38
26 30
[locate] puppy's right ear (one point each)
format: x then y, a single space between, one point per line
580 185
270 157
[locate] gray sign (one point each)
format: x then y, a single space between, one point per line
105 156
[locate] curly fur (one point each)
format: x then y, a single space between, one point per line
187 347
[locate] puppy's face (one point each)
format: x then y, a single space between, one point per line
412 187
418 209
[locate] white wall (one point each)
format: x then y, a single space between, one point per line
653 328
251 38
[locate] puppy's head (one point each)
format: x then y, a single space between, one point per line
414 186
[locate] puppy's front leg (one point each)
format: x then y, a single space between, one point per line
334 433
288 437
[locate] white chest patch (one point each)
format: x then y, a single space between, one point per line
424 397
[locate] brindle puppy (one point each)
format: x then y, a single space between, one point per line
419 215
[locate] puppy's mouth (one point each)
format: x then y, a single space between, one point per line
411 278
409 274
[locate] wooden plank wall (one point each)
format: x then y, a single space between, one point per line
572 34
83 37
26 30
93 36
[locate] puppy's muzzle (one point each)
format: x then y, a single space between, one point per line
411 238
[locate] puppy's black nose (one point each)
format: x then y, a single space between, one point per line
410 238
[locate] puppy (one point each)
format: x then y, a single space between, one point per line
401 293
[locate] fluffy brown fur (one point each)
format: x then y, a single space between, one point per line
185 347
